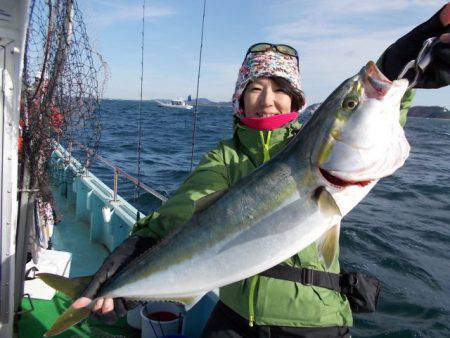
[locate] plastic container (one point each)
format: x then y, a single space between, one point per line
162 319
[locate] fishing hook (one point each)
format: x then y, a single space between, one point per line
421 62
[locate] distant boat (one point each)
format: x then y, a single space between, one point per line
181 104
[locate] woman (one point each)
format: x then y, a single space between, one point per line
265 103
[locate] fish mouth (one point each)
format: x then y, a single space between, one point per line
376 83
340 183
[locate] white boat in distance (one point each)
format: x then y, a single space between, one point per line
181 104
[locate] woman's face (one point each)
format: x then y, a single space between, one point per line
264 98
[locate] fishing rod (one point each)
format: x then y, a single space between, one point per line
194 114
138 174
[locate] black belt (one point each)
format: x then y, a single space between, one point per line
328 280
361 291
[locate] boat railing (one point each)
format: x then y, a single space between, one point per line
117 172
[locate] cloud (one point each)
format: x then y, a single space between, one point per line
331 48
335 39
325 62
349 7
309 29
113 12
355 6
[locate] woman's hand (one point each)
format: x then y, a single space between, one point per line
107 308
102 305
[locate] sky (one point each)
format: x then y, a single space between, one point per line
334 39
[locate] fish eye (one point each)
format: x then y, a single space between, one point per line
350 103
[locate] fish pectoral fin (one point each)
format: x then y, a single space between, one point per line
327 245
325 201
70 317
204 202
72 287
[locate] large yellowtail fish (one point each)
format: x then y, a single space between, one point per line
297 198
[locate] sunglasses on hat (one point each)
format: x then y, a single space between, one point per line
264 47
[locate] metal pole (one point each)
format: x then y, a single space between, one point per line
116 184
69 151
132 179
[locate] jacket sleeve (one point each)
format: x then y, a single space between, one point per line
210 176
407 98
405 104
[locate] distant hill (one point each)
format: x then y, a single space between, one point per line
202 102
206 102
433 112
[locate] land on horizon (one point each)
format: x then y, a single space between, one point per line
415 111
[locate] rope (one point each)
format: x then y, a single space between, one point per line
194 114
138 175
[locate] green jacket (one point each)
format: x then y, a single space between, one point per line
266 301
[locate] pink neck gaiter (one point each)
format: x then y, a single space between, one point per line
269 123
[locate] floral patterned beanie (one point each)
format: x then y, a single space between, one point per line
265 64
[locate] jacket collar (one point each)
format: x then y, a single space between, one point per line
250 140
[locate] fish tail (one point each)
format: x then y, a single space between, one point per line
72 287
70 317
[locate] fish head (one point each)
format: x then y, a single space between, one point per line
361 139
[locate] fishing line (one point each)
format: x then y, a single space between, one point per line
194 114
138 175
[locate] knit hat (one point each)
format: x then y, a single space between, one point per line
266 64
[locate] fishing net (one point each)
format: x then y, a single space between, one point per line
63 81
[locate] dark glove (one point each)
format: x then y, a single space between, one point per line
437 74
129 249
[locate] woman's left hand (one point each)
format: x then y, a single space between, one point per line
437 74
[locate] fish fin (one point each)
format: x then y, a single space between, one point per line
189 302
327 245
204 202
325 201
70 317
72 287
